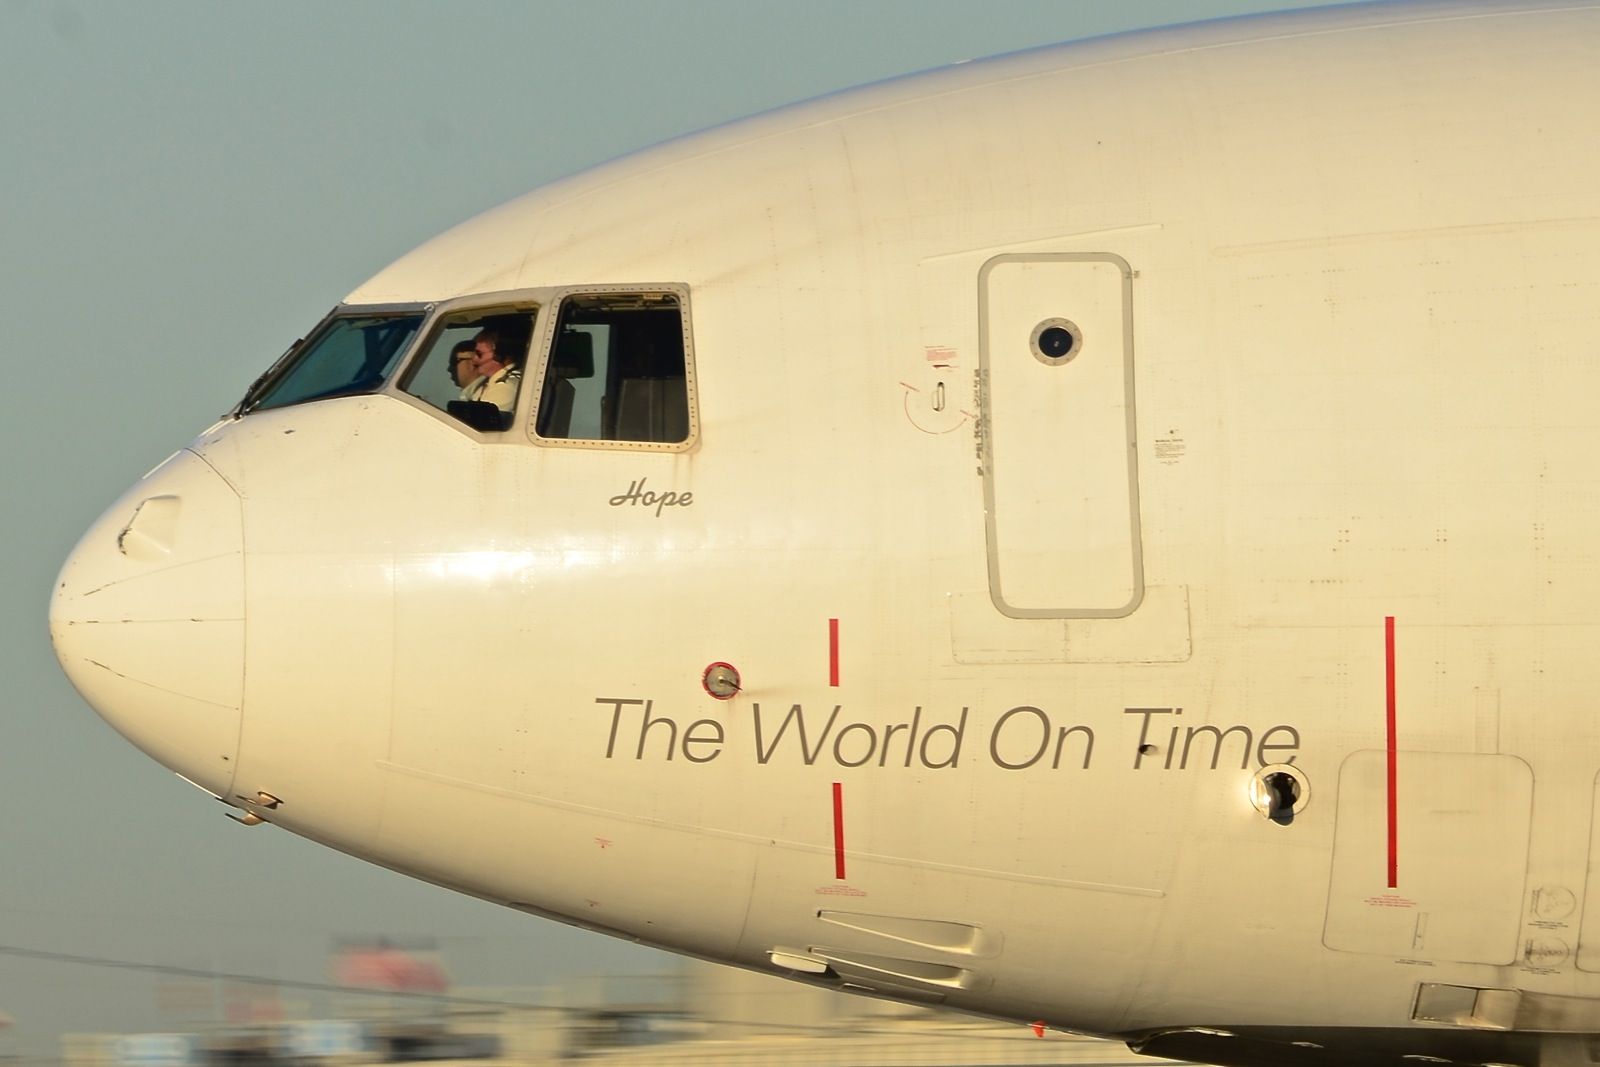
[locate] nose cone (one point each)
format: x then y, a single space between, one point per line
147 619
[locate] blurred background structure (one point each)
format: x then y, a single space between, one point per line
702 1014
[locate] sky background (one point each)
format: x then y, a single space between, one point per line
185 188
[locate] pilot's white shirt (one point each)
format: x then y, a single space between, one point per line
499 388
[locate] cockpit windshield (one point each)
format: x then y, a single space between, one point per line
350 354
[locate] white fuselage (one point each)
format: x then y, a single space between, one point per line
1337 281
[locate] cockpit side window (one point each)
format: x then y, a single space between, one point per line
471 365
349 355
619 371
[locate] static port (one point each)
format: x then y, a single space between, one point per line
721 680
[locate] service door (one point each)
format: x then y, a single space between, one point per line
1463 821
1060 479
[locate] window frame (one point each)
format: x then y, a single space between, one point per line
512 301
546 337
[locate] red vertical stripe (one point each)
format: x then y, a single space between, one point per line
833 653
838 830
1394 820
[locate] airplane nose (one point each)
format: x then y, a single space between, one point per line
147 619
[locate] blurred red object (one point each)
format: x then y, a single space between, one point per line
388 967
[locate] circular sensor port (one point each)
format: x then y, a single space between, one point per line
1056 341
1280 791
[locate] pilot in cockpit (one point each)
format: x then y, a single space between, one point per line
463 365
498 374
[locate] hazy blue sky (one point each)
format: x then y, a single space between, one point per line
186 188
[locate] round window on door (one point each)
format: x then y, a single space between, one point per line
1056 342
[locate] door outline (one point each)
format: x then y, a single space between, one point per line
1130 427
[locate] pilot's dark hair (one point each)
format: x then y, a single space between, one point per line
490 334
510 335
463 346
